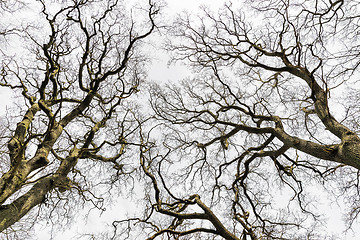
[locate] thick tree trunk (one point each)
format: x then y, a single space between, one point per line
11 213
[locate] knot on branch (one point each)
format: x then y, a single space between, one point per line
195 196
349 149
63 184
14 147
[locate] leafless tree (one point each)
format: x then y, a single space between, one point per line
241 150
74 125
271 113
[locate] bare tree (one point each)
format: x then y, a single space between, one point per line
231 153
272 112
76 125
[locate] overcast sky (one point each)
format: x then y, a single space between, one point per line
159 71
173 7
162 72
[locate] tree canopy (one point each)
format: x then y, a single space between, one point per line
247 147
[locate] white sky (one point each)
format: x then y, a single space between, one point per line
173 6
162 72
5 99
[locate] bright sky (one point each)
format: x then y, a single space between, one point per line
165 73
5 100
159 71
